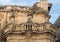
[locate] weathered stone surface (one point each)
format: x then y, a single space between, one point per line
27 24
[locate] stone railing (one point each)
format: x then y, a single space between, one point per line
34 27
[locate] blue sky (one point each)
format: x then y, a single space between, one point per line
55 10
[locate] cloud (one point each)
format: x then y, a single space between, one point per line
13 2
3 2
18 2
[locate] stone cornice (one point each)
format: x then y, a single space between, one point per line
24 9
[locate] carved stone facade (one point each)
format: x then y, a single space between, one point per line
27 24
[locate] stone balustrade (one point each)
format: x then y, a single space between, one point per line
35 27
